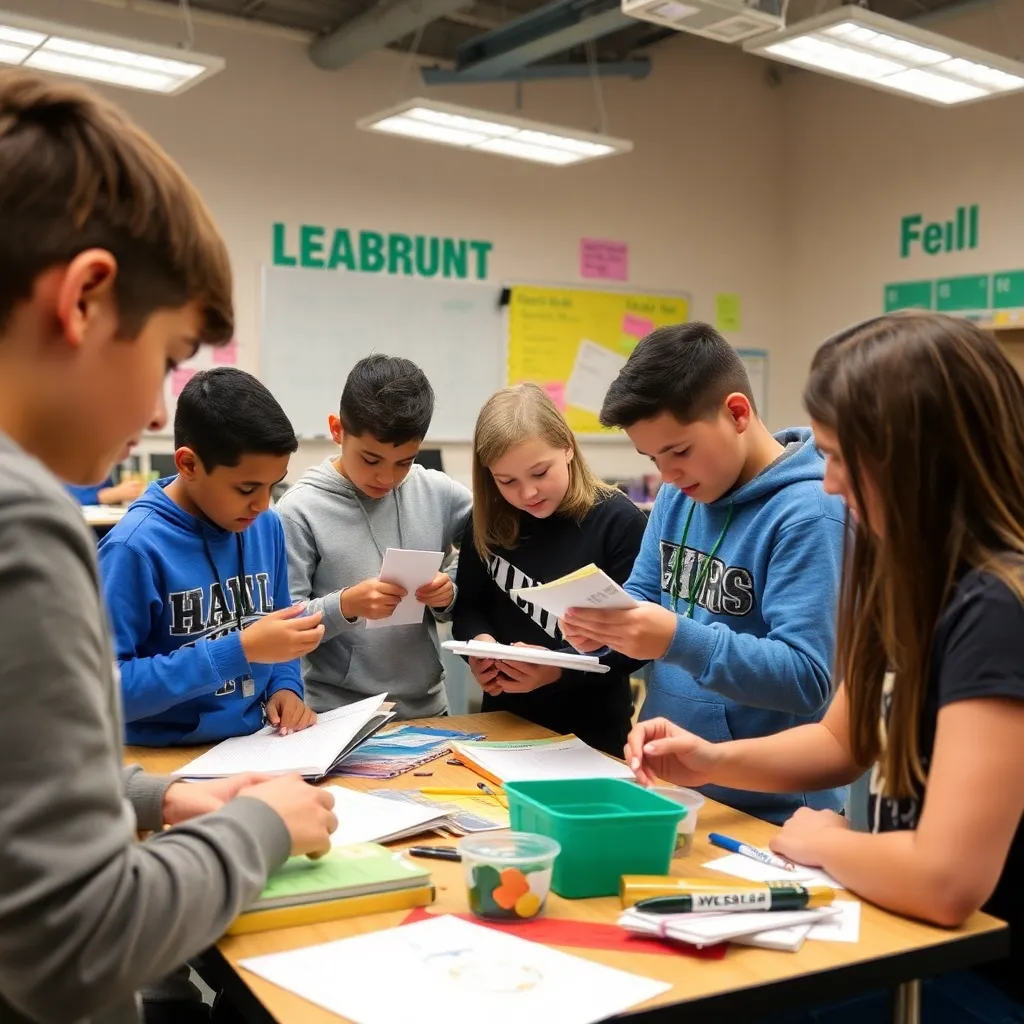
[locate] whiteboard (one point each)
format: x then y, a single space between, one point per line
317 324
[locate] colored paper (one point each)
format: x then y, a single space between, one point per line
180 376
556 392
603 259
556 931
636 326
727 311
226 355
592 374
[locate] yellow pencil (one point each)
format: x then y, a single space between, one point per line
446 791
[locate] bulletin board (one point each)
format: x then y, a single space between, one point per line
573 342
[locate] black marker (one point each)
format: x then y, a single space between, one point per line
435 852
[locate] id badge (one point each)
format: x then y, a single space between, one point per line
248 687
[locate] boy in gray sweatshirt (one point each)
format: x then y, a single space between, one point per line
111 270
341 517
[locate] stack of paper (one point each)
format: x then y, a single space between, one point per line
560 757
363 818
453 972
401 749
588 587
313 752
774 929
738 866
460 815
531 655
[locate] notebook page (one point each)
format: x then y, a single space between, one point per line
370 819
309 752
531 655
561 759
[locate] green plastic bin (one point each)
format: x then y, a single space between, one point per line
607 828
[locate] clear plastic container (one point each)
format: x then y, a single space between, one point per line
508 874
693 802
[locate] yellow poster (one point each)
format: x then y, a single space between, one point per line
573 342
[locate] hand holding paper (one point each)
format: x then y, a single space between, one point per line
644 631
523 677
438 593
408 571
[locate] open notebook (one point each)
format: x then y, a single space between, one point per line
557 757
588 587
313 752
531 655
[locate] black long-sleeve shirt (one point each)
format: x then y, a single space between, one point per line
596 708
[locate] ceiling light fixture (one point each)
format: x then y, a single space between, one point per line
114 60
857 44
486 132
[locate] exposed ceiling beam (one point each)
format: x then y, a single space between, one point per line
639 68
542 33
385 23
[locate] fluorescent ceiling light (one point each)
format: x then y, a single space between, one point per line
114 60
485 132
854 43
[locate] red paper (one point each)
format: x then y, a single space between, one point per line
603 259
556 392
636 326
556 931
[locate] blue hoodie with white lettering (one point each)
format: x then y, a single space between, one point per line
755 629
174 590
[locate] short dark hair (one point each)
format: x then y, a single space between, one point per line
77 174
687 370
389 398
226 413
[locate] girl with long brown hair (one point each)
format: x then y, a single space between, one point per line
539 512
921 421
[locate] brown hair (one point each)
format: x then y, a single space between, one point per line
76 174
508 417
929 412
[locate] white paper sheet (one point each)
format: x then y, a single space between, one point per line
845 927
452 972
309 752
532 655
370 819
708 929
738 866
594 590
411 570
551 759
592 374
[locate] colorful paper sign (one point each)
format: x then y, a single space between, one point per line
727 311
604 260
556 392
637 326
180 376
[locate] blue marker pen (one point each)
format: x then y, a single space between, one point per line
764 856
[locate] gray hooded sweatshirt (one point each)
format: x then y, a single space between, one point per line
336 538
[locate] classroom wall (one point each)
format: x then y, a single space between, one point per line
858 161
700 200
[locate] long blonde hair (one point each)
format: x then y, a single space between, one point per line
509 417
931 411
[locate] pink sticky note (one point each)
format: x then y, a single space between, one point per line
180 376
226 355
636 326
603 259
556 392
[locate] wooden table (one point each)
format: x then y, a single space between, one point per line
892 951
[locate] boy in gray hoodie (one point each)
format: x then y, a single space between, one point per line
111 271
342 516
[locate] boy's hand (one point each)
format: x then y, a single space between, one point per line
371 599
307 812
576 639
282 636
288 713
522 677
122 493
438 593
486 671
644 632
186 800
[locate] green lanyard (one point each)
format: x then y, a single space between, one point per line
677 563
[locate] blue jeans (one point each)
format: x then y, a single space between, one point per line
958 998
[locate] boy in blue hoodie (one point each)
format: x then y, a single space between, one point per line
194 571
738 574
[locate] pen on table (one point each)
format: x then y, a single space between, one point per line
753 852
434 852
483 787
456 791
